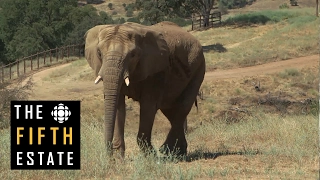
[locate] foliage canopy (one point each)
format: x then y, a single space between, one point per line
29 26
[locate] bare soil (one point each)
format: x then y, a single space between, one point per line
269 68
69 88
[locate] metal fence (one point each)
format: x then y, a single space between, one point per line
41 59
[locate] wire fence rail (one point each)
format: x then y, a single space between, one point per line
36 61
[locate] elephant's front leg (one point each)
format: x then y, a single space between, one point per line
185 126
147 115
118 141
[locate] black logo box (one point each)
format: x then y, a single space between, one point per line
47 145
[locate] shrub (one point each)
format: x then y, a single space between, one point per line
289 72
15 92
130 6
284 6
133 19
110 6
231 4
129 13
262 17
180 21
120 21
114 13
222 8
294 2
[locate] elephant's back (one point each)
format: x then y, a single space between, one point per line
183 46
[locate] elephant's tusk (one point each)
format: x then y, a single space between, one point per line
98 79
126 80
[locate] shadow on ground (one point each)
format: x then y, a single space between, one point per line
214 48
199 154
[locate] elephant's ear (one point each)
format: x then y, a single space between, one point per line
154 54
91 51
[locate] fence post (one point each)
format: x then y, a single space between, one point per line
57 55
50 56
44 59
2 76
31 63
18 68
38 59
192 22
24 65
68 48
61 51
200 21
10 71
79 51
73 50
219 13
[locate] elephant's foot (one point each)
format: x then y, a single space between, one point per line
118 149
174 145
174 149
146 148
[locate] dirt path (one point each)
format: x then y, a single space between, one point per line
297 63
67 88
268 68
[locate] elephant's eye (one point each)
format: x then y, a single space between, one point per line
99 53
134 53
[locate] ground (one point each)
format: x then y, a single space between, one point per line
71 89
57 83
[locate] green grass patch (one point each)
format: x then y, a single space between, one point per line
287 34
289 73
272 16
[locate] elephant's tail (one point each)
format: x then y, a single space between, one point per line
200 94
196 104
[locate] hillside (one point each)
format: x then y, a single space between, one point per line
256 6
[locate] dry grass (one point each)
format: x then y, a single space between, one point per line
117 7
14 92
233 46
259 145
30 66
287 148
289 92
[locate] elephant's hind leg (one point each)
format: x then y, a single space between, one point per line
185 126
177 115
176 141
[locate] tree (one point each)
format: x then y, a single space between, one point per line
85 18
159 10
29 26
129 13
152 10
110 6
202 7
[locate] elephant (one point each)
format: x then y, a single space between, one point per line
160 66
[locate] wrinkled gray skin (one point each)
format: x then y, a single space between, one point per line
164 66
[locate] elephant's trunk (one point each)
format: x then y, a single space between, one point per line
112 76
